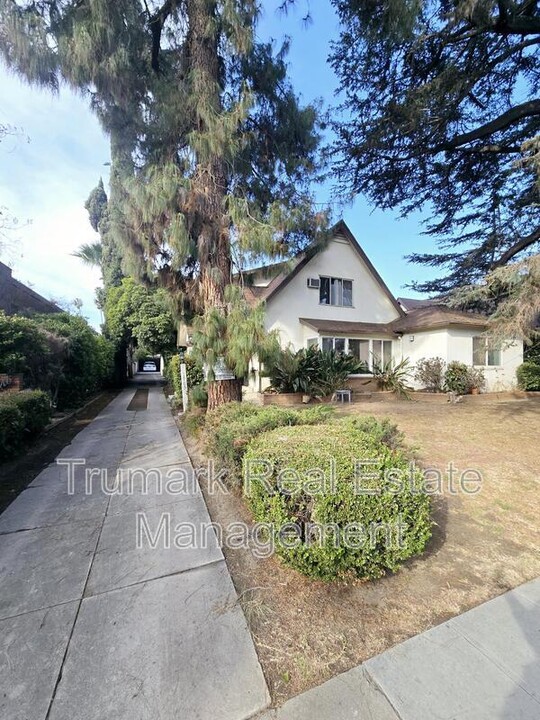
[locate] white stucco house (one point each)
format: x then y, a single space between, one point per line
335 298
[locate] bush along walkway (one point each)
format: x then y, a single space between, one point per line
482 665
94 627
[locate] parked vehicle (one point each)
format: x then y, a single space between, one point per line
149 366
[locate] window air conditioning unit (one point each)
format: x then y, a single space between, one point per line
314 283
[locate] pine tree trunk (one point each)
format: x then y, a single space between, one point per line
209 184
223 391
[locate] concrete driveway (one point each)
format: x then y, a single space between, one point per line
95 628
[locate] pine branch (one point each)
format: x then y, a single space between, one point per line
522 244
519 112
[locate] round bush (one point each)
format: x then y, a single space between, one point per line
528 376
456 378
337 523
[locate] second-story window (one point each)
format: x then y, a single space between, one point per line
335 291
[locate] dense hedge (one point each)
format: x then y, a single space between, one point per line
230 427
22 416
528 376
306 453
58 353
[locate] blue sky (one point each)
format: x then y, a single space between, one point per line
47 178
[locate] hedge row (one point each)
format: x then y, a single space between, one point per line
22 416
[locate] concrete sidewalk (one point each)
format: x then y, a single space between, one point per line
93 628
482 665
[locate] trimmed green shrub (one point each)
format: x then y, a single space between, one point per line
35 406
230 427
528 376
323 522
11 429
22 416
382 431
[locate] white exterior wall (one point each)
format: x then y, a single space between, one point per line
498 378
455 344
296 300
425 344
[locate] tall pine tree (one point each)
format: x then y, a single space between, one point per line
212 156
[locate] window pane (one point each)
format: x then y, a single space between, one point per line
312 342
354 348
335 291
387 351
479 350
339 345
494 355
324 291
377 351
327 343
347 293
364 351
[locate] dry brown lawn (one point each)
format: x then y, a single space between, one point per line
484 544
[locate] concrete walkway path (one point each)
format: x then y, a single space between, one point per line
92 628
482 665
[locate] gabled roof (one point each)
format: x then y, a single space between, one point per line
284 275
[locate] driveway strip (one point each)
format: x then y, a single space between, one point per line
94 627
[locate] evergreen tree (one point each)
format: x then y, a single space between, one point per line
212 156
443 113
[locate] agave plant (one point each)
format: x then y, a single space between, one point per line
334 369
393 377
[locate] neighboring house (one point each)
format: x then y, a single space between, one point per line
18 299
337 299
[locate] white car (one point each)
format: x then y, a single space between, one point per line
149 367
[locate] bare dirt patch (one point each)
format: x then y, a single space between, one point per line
483 544
16 474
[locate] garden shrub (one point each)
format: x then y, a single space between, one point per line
35 406
456 378
230 427
429 373
22 416
382 431
87 364
194 373
528 376
199 396
11 429
305 453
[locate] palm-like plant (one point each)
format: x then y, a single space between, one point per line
393 377
90 253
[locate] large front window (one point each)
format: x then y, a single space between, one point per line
368 351
335 291
486 352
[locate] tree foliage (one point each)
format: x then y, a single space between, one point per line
212 155
142 316
443 113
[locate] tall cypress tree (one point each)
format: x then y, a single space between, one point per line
212 156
